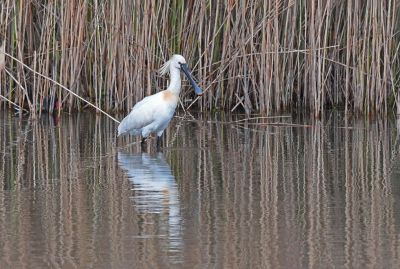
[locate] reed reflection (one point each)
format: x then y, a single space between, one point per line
323 193
155 189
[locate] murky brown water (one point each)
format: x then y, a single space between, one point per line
218 195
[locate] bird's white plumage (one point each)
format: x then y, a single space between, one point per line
153 113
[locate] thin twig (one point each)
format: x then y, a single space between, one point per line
62 86
19 108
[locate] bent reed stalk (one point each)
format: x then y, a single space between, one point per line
263 56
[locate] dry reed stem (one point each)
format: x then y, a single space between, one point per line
108 52
16 105
2 56
62 86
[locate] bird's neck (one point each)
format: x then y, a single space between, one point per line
175 83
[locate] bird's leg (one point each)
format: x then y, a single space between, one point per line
143 140
158 143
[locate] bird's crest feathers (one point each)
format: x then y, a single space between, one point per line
164 69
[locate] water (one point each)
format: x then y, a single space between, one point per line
320 194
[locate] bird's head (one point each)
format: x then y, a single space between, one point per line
178 61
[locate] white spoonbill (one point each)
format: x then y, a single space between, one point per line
154 112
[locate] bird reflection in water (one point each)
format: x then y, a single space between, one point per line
156 191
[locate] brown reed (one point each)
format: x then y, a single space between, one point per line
272 54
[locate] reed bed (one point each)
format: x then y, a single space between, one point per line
261 56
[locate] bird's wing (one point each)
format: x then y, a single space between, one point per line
142 114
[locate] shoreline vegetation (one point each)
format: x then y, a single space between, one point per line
261 56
